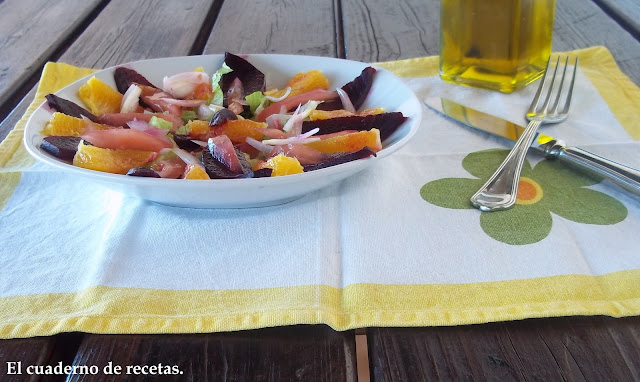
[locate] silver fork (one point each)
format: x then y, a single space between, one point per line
501 190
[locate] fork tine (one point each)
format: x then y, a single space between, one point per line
545 107
536 98
570 92
554 108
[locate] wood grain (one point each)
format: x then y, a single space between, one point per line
380 30
303 353
133 30
30 34
275 26
568 348
581 24
625 12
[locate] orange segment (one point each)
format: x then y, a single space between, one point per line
107 160
283 165
349 142
239 129
99 97
328 114
62 124
198 129
302 83
194 171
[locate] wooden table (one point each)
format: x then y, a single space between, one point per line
102 33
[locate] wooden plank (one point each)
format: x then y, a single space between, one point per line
274 26
128 31
37 351
568 348
46 26
378 30
625 12
581 24
304 353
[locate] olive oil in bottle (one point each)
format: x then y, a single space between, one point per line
495 44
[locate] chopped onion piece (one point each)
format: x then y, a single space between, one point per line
186 157
130 99
200 143
346 101
292 140
183 84
285 95
138 124
183 102
259 145
294 124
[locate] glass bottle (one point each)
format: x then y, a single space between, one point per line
495 44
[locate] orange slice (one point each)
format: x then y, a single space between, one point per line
349 142
99 97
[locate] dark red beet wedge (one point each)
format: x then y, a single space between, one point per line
252 79
185 142
218 170
340 158
143 172
387 123
61 147
69 108
124 77
357 90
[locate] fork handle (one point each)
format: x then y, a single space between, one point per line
501 190
624 176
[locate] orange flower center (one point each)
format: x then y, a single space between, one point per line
529 191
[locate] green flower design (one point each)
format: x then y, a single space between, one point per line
548 187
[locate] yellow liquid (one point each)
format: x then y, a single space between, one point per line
495 44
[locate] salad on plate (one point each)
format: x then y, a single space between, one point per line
221 125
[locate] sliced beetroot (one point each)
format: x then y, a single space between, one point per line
143 172
357 90
262 173
185 142
217 170
340 158
221 116
124 77
61 147
252 79
387 123
69 108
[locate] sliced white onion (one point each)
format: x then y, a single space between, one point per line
259 145
294 124
140 125
309 133
292 140
276 121
200 143
285 95
346 101
186 157
183 84
130 99
183 102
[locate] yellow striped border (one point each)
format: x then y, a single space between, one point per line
131 310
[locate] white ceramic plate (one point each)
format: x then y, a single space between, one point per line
387 91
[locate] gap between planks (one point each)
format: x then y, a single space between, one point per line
362 356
